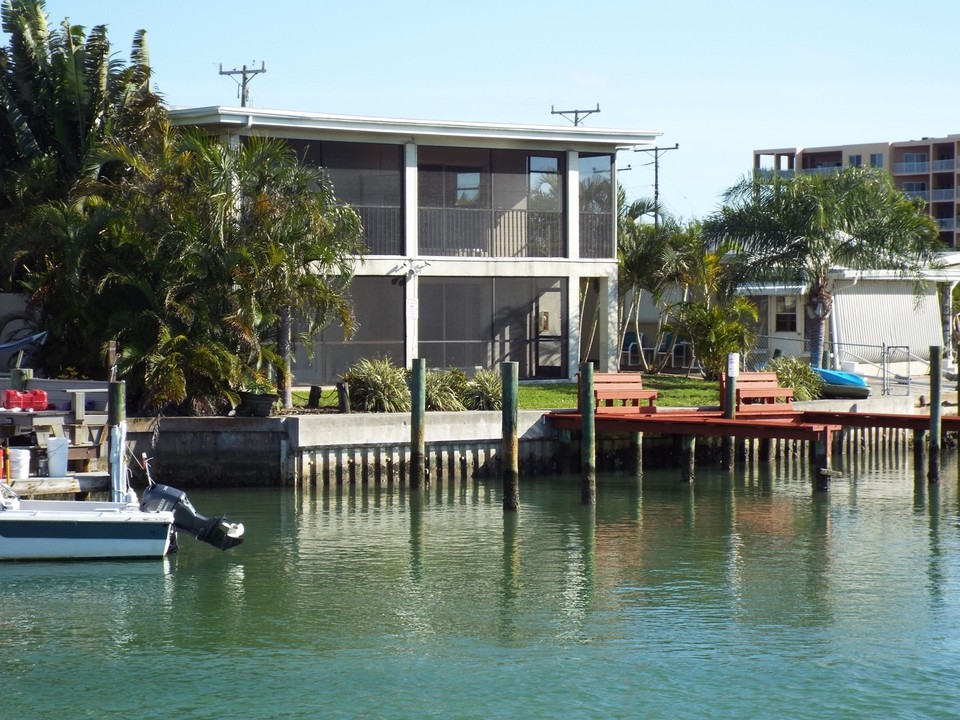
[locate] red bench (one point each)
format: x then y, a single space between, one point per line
619 391
757 392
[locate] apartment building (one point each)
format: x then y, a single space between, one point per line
485 242
925 168
878 317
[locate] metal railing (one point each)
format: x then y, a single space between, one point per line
470 232
892 365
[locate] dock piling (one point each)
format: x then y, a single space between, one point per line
588 445
936 412
418 397
511 463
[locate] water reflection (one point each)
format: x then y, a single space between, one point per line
380 596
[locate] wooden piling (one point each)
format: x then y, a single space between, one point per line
729 409
418 398
588 445
688 447
511 462
936 412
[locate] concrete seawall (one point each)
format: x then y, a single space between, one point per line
374 447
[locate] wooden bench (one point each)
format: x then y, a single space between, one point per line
757 392
619 391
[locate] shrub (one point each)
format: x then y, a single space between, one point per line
484 391
377 386
797 374
444 390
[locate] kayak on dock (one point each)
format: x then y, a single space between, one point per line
840 384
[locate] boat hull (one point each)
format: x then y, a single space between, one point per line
64 530
840 384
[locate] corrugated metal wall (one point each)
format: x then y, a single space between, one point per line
871 313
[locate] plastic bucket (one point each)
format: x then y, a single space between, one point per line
57 457
19 463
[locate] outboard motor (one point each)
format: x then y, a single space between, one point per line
219 532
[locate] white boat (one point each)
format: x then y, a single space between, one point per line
121 528
65 529
73 530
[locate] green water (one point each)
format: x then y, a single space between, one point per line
743 596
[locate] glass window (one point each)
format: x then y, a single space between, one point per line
785 318
876 160
596 207
855 160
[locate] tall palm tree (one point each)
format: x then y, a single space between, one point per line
797 229
61 94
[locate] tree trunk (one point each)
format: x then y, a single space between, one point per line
285 351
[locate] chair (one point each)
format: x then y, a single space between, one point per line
631 349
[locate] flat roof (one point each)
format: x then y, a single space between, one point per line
287 122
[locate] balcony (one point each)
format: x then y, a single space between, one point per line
822 170
945 223
469 232
381 229
944 165
944 194
922 194
911 168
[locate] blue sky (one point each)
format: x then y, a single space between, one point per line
719 79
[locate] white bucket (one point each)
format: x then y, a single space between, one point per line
19 463
57 456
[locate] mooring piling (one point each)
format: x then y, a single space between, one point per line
509 372
418 401
588 445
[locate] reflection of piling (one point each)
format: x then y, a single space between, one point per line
418 401
510 447
588 445
936 410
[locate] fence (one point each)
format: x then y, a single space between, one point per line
892 365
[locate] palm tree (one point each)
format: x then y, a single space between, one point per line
797 229
61 94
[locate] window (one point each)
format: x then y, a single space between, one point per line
785 317
855 160
468 188
914 187
915 157
876 160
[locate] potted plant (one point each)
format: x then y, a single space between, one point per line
258 396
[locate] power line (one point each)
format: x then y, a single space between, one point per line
576 113
657 152
243 85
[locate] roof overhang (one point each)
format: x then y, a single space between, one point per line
251 121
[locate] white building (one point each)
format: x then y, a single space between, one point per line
480 237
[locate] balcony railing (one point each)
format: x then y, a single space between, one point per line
381 229
925 194
945 223
468 232
596 236
827 170
911 168
944 194
944 165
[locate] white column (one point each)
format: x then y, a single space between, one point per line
573 330
412 240
573 205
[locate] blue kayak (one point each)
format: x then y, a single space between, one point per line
839 384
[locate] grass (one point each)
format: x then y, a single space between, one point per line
675 391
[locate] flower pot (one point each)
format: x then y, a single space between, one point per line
257 404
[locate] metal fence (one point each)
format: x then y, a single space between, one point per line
892 366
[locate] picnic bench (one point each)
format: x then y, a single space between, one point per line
757 392
617 391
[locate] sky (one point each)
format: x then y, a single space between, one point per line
717 79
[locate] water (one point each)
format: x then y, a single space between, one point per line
743 596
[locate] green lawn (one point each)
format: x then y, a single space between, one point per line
675 391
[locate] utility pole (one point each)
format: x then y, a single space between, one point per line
657 152
246 74
576 113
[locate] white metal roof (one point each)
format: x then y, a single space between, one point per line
286 122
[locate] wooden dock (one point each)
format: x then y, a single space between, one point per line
819 428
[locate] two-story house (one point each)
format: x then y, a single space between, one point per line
485 242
